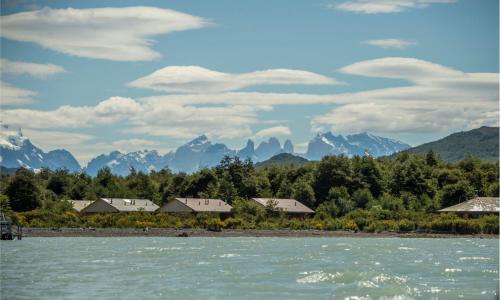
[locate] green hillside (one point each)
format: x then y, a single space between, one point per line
481 142
282 159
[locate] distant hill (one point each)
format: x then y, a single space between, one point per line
7 171
481 142
282 159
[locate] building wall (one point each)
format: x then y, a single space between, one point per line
98 207
174 206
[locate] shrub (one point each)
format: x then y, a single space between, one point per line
214 224
490 224
350 225
233 223
144 224
406 225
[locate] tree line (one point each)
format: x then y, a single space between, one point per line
336 185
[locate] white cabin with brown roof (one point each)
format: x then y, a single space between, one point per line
79 205
288 206
476 206
196 205
115 205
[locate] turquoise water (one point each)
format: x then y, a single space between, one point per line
248 268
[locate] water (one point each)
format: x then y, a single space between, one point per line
248 268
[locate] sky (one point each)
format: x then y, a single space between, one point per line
96 76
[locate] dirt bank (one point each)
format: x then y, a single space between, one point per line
166 232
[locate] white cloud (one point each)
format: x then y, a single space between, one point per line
411 69
418 117
273 131
49 140
194 79
227 121
109 111
384 6
10 95
134 144
301 147
390 43
79 144
122 34
439 99
33 69
145 117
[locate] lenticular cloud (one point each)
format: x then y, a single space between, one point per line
122 34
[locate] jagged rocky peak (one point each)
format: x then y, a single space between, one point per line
11 136
198 144
288 146
250 144
268 149
248 151
16 151
202 139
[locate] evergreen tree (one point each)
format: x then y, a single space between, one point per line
23 192
303 192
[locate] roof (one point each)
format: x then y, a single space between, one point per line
476 205
78 205
287 205
124 205
205 205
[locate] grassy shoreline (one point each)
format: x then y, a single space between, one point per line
189 232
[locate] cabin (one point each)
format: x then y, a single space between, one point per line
291 207
79 205
116 205
475 207
196 205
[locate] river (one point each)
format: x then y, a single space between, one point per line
249 268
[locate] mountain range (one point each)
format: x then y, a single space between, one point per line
17 150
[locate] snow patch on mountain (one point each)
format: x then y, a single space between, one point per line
17 151
351 145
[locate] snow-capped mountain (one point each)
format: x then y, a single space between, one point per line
17 151
197 154
120 163
376 145
356 144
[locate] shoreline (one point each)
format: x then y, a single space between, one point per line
189 232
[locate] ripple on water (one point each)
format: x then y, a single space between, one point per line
99 261
474 258
406 248
452 270
318 276
367 284
385 278
229 255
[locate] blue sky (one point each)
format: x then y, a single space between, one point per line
408 69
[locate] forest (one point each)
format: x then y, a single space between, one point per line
400 193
